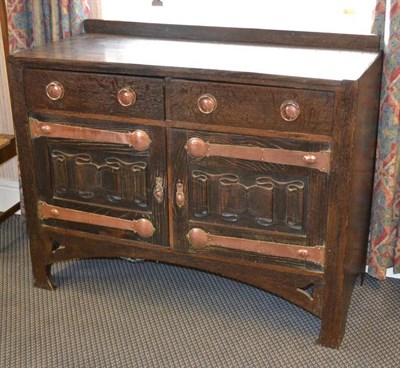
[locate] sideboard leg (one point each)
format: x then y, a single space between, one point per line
330 335
362 278
335 308
42 277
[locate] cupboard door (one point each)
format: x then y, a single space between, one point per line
107 180
248 196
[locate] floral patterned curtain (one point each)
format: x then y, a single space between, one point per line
32 22
385 221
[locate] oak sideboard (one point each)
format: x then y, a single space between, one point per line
242 152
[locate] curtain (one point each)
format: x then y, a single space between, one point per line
384 249
33 23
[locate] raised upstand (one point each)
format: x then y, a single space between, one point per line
247 153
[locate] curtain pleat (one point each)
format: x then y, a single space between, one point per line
384 249
33 23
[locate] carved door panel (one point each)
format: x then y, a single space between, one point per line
102 177
247 196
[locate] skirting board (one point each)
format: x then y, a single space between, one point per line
389 273
9 194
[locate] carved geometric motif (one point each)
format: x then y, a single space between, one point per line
113 178
223 195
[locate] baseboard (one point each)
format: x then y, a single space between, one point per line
389 273
9 194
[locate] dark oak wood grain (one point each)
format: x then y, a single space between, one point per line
7 147
95 93
236 35
258 107
188 86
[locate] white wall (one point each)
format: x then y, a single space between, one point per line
345 16
9 192
9 169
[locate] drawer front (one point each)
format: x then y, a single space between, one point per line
256 107
232 202
94 93
102 178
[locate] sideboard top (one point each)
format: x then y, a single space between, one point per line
161 55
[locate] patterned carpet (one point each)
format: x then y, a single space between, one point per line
116 313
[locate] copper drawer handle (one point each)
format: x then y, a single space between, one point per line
126 97
55 91
138 139
207 103
198 148
290 110
180 195
198 238
142 227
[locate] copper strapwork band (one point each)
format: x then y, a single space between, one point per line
198 148
142 227
138 139
198 238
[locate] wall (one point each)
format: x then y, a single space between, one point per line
9 192
344 16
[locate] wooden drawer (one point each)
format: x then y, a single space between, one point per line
254 107
94 93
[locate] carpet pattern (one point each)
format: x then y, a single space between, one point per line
117 313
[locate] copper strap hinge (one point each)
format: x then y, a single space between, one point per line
143 227
138 139
320 160
198 238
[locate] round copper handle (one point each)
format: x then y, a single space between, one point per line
55 91
196 147
198 238
126 97
144 228
207 103
140 140
290 110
